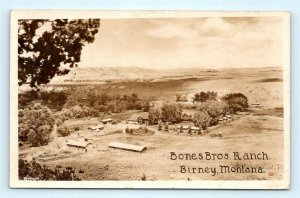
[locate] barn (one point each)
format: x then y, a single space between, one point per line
79 145
97 128
139 118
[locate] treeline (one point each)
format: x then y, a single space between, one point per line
34 170
52 99
209 109
99 102
103 102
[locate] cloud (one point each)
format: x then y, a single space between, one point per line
187 42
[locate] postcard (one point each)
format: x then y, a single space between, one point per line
149 99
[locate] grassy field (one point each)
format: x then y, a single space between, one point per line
260 131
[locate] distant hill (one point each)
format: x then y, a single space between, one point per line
107 74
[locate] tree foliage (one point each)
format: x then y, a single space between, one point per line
51 47
63 130
171 111
236 101
32 169
154 115
214 109
205 96
202 119
36 124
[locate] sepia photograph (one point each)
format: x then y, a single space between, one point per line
149 99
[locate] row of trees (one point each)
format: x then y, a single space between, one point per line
57 100
53 99
209 111
116 104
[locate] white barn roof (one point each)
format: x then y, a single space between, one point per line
77 143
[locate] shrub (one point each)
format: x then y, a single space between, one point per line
58 122
25 98
33 169
127 130
166 127
63 131
160 126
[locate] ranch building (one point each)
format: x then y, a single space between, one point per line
107 121
140 118
97 128
79 145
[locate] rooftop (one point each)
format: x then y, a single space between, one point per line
77 143
106 120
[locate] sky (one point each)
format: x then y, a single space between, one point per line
215 43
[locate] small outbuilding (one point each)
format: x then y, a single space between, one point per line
195 129
107 121
97 128
139 118
183 128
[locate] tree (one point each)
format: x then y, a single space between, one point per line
160 126
204 96
134 97
63 130
181 97
202 119
214 109
51 47
154 115
236 101
77 111
36 124
171 111
145 105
